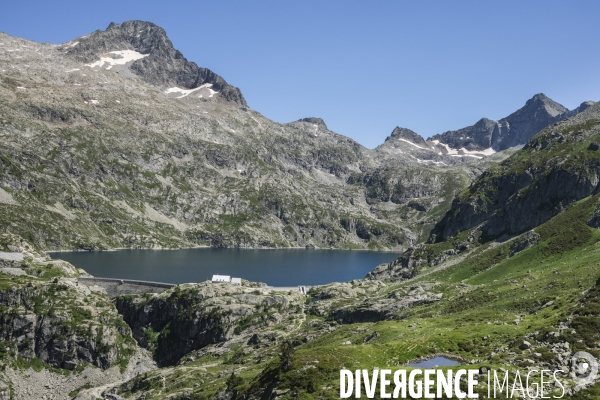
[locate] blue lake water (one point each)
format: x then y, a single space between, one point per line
435 361
277 267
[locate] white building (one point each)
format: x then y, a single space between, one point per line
221 278
226 278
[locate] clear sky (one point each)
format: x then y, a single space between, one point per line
364 67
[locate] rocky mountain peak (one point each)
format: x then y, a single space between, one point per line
541 102
585 105
406 134
156 61
141 36
313 120
539 98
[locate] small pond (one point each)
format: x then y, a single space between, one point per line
435 362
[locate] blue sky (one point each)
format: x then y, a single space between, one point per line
364 67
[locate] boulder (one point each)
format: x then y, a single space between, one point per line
525 345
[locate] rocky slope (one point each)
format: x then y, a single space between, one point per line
49 320
516 129
115 140
558 166
107 141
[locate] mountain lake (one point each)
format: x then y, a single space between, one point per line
275 267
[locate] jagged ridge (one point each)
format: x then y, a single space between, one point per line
516 129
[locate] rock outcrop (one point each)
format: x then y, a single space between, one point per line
526 241
404 267
46 314
192 316
594 220
367 301
50 322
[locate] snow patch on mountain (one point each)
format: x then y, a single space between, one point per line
464 152
124 57
179 93
409 142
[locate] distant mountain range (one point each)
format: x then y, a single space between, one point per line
516 129
487 136
157 62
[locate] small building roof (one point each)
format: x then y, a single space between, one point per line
221 278
237 281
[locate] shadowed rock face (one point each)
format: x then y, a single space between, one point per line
193 316
554 169
516 129
334 299
57 321
164 66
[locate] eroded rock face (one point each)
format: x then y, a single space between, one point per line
404 267
385 185
46 314
192 316
59 322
